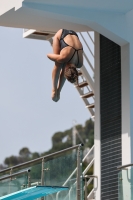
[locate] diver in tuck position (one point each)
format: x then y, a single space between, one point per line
67 55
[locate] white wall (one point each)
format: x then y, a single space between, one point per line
97 142
125 88
6 5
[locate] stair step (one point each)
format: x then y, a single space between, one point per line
79 73
87 95
90 105
93 117
82 84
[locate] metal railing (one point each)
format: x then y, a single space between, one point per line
124 166
15 174
44 159
85 171
47 157
41 158
88 179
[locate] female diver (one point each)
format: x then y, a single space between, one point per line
67 55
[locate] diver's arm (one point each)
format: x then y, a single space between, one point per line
55 80
62 80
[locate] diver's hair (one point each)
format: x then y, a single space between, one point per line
71 74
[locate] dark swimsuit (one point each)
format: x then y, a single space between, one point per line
63 44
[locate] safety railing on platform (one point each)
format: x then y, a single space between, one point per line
89 159
49 170
125 182
88 179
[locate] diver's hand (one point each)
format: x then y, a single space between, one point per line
58 95
55 95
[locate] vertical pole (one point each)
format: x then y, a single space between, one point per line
85 188
11 172
78 174
74 138
10 180
29 181
42 176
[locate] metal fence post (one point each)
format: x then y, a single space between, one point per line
29 179
10 180
85 188
78 174
42 176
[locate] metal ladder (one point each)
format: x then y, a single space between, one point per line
86 82
86 92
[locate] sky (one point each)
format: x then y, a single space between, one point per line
28 116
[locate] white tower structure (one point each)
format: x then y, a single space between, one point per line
112 22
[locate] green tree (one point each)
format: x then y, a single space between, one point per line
25 152
12 160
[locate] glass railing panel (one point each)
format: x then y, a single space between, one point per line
13 184
62 171
35 174
57 170
23 181
125 184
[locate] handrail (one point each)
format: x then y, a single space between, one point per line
87 182
39 159
88 153
90 194
124 166
88 167
15 174
70 176
90 37
90 176
88 61
86 44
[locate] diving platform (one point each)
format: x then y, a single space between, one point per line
33 193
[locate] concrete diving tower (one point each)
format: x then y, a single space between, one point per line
38 15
